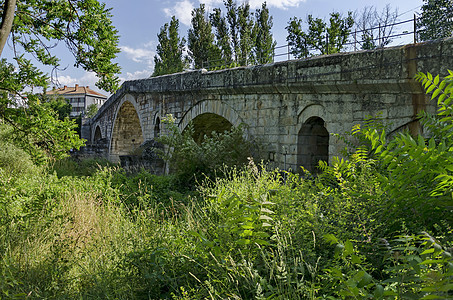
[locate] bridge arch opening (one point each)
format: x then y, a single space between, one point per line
97 134
312 144
206 123
127 131
157 128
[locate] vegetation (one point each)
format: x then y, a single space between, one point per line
34 28
218 40
170 58
377 225
192 160
201 39
320 37
436 20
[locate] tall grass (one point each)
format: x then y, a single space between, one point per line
252 234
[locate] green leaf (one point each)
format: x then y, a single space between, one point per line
331 238
348 248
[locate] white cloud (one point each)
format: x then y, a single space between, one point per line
254 4
87 79
141 74
282 4
182 11
140 55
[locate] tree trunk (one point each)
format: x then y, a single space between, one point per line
9 9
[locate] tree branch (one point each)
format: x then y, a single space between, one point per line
7 22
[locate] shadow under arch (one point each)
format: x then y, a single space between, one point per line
207 123
127 134
312 144
97 134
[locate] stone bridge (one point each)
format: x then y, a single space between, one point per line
291 107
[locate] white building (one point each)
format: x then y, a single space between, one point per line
80 98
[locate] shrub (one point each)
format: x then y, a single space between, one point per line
191 161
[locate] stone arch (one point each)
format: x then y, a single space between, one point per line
312 139
213 107
97 134
208 116
311 110
127 132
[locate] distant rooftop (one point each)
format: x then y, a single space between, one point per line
77 90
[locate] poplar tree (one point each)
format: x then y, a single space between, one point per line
436 20
264 43
246 37
202 48
232 18
219 22
170 50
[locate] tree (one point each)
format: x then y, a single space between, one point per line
92 110
202 48
59 105
246 40
264 43
320 37
241 30
170 58
375 29
222 34
232 19
436 20
34 28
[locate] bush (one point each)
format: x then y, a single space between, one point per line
191 161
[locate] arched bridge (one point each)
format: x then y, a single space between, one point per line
292 107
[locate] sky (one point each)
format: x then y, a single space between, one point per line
139 21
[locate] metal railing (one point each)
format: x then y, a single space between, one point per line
409 29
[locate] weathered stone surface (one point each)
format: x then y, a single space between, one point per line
286 105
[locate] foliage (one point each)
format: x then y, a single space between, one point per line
37 129
70 166
417 268
238 38
435 20
14 160
58 104
222 34
320 37
169 58
264 42
246 37
92 110
86 29
418 170
83 25
190 160
200 41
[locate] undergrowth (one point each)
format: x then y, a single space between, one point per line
254 233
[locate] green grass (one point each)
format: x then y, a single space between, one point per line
251 234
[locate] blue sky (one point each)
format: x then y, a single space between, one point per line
139 21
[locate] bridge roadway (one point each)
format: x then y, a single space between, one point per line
292 108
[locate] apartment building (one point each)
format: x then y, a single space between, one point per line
80 98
